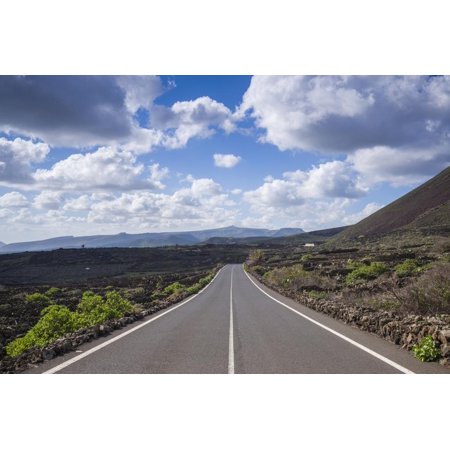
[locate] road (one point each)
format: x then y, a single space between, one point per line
236 325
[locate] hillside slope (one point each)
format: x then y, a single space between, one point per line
426 206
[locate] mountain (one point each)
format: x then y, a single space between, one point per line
145 239
2 244
427 206
279 239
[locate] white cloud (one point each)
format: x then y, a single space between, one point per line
185 120
398 167
290 108
140 91
13 200
369 209
106 168
16 158
48 200
226 161
334 179
341 114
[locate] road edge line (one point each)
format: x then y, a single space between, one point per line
231 335
345 338
77 358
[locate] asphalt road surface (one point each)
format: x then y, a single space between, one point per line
236 325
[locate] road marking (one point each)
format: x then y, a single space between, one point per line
231 339
126 333
345 338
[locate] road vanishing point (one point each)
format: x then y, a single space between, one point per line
236 325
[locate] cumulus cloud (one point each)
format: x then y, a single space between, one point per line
202 203
13 200
79 111
333 179
342 114
16 157
398 167
184 120
106 168
140 91
369 209
226 161
48 200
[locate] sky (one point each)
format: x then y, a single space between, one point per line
82 155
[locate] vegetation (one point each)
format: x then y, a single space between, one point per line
56 320
363 271
407 268
426 349
295 277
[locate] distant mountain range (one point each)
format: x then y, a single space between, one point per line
427 207
145 239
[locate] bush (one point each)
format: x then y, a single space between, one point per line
295 277
365 272
255 257
52 292
430 294
426 350
172 288
55 321
407 268
94 310
37 297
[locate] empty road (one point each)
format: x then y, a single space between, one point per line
236 325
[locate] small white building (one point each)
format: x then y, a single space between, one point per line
309 244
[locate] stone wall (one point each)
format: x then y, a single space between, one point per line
405 331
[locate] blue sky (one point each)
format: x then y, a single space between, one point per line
103 154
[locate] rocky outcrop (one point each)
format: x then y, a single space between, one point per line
405 331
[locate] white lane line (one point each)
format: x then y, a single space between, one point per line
345 338
230 339
126 333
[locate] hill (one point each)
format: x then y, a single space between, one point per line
125 240
427 206
315 237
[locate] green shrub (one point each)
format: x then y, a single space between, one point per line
305 258
52 292
37 297
365 272
426 350
407 268
55 321
94 310
172 288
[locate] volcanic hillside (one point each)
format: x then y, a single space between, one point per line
427 206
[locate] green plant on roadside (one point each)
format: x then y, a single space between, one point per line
55 321
172 288
426 350
363 272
